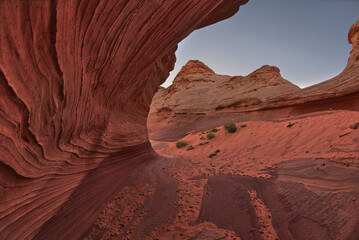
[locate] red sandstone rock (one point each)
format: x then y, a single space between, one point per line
76 82
353 36
198 90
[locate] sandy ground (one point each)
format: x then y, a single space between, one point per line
266 181
254 150
259 145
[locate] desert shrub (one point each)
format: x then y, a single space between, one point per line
230 127
180 144
164 109
243 126
291 124
190 147
215 130
203 143
202 138
354 126
210 135
217 151
212 155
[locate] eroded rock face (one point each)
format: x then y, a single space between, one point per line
204 99
262 89
76 82
197 89
353 36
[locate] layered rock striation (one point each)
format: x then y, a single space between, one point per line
76 82
198 89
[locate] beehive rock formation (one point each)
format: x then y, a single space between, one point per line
199 98
76 82
198 89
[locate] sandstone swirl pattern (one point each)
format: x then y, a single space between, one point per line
76 82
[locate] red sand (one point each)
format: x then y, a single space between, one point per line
257 150
267 181
261 144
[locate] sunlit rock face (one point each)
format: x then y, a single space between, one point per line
204 98
353 36
76 82
197 89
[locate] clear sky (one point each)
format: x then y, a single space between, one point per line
307 40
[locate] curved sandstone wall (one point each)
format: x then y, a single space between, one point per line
76 82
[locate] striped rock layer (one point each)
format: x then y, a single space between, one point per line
76 82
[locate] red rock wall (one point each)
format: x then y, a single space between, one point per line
76 81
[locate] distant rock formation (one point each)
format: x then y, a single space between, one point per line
198 94
198 89
353 36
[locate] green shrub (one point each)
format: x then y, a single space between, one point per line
212 155
180 144
190 147
291 124
210 135
217 151
215 130
243 126
230 127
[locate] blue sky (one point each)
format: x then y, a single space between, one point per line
306 39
